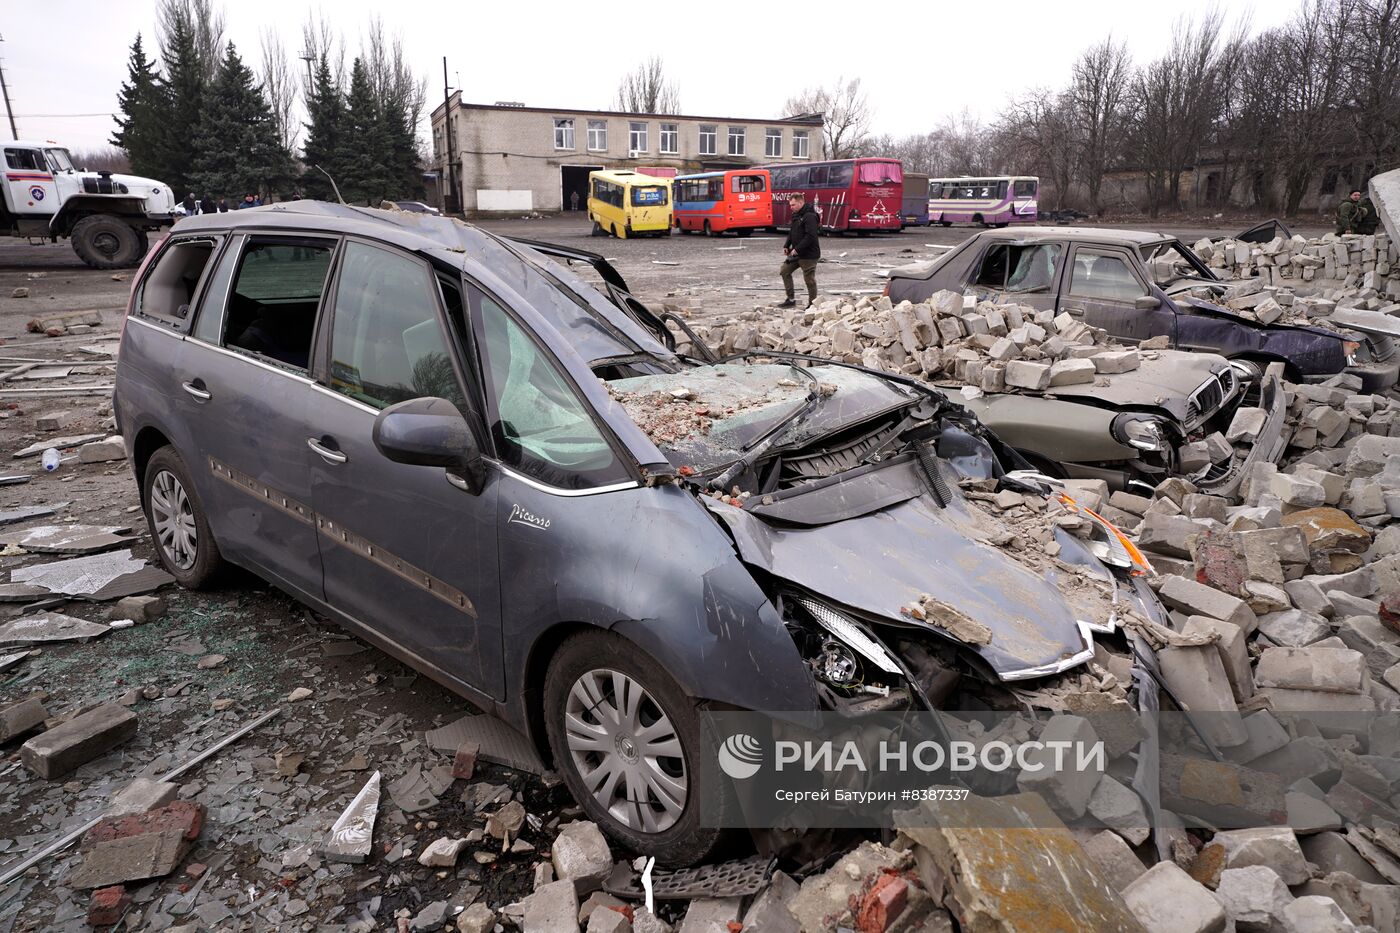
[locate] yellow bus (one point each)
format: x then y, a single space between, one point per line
626 204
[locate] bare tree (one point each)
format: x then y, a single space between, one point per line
1372 79
279 85
206 23
848 116
1174 102
1037 134
646 90
320 38
964 146
1095 103
394 81
102 159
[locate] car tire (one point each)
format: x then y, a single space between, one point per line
106 242
584 677
179 528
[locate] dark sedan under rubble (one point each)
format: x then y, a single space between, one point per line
1135 286
457 447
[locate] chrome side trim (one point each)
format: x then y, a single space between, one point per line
556 491
336 534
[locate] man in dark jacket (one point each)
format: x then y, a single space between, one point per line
802 249
207 205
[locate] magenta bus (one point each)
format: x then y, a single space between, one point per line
990 200
849 194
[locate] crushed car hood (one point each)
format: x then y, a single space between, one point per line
880 562
1164 382
704 417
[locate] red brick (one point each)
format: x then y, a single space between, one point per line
883 904
465 763
183 815
1390 612
195 869
108 905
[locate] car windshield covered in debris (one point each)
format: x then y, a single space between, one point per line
1137 286
455 445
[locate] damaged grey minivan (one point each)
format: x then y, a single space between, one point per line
468 453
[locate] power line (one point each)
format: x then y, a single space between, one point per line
56 115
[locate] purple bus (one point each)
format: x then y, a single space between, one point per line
992 201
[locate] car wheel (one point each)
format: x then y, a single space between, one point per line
178 524
627 740
106 242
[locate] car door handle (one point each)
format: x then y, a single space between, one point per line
1073 312
326 453
196 388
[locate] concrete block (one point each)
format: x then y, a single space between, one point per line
1167 900
1274 847
1023 374
1195 598
1294 628
1068 791
72 744
1197 677
1115 858
1234 652
1297 491
1111 362
21 717
1336 670
581 854
1246 425
1071 372
1169 534
111 448
141 795
1254 897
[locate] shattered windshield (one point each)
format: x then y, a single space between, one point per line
708 416
1170 262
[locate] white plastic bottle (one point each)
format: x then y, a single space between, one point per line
50 459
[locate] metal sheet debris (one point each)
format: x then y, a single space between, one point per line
74 440
80 575
50 626
738 878
69 539
26 512
498 742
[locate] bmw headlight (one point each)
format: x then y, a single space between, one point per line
1247 371
1145 432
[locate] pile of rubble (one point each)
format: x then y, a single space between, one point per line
1301 281
994 347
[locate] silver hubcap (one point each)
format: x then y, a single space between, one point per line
173 517
626 751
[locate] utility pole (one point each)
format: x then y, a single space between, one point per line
307 57
449 202
5 90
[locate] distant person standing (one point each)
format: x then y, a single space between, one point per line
1349 212
573 200
190 205
802 249
247 201
207 205
223 205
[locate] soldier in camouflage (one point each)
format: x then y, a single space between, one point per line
1356 215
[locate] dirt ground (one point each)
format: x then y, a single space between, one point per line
366 712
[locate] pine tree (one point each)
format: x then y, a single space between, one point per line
237 150
363 158
179 113
324 133
140 101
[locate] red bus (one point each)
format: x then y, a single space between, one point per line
849 194
714 202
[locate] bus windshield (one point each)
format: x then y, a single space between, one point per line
652 194
880 173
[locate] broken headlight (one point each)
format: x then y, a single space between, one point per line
1247 372
1108 543
1145 432
853 666
1350 347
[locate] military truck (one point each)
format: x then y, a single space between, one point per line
107 216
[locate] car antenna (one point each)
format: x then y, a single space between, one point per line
332 181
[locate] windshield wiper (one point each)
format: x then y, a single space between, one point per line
765 441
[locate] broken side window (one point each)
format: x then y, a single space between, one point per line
168 292
1018 268
271 308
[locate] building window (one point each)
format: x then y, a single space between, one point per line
563 133
637 137
670 139
597 135
707 140
773 143
799 144
737 138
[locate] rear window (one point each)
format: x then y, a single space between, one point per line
169 291
881 173
648 196
745 183
1022 269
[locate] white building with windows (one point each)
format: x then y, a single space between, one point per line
509 157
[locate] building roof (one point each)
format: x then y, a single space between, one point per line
804 119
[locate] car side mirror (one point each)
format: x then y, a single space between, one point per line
1147 303
430 432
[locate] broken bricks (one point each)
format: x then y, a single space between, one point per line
139 846
71 744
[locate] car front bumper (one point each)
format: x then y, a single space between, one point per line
1268 446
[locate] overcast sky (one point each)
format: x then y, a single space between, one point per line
920 62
